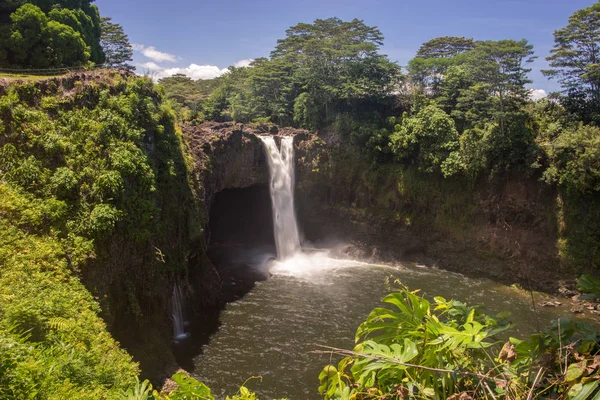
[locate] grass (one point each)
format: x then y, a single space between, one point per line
28 77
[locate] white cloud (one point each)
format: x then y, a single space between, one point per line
153 54
194 71
152 66
537 94
243 63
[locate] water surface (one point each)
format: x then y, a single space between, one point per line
272 330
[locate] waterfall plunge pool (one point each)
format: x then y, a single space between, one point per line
271 331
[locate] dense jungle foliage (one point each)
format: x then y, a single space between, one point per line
80 164
45 34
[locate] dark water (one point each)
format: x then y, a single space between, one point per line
273 329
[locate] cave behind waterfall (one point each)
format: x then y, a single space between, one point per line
242 218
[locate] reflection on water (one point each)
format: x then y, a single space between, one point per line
310 300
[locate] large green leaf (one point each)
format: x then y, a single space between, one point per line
575 371
583 392
190 389
590 285
471 336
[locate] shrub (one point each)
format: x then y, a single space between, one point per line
426 139
447 350
575 157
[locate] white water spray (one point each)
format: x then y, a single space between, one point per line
281 170
177 314
291 260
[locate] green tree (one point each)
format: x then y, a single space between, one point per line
28 40
501 67
575 62
7 7
575 156
485 94
445 47
218 106
433 59
427 73
499 75
115 45
93 33
338 64
28 25
272 90
185 90
319 74
65 47
47 5
86 23
180 89
353 39
426 139
456 81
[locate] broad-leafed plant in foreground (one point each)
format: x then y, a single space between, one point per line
417 349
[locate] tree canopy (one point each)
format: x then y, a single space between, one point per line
115 45
445 47
317 73
575 62
463 109
49 34
337 64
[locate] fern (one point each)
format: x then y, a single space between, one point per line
60 323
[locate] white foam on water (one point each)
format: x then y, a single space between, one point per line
312 265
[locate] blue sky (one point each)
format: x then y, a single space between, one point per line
202 38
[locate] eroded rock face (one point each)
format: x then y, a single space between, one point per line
500 229
230 155
504 228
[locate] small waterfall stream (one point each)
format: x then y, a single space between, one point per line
281 170
177 314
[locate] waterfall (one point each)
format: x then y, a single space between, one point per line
281 170
177 313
